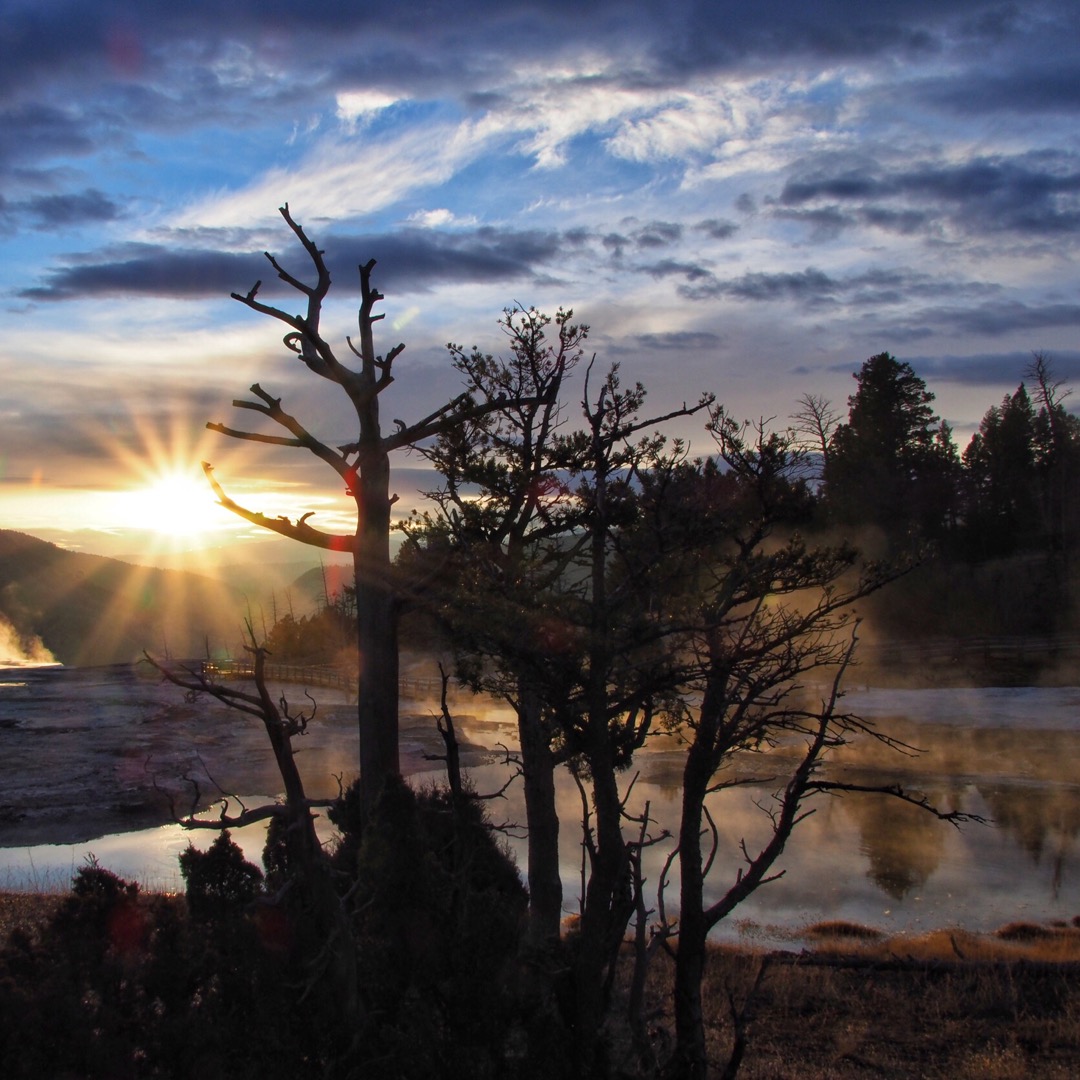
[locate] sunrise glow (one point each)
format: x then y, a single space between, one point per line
178 504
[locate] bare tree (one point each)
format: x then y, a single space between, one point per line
363 466
768 614
323 937
815 422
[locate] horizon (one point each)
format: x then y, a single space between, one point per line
744 201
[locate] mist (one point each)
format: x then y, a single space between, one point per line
17 650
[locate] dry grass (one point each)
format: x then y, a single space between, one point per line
943 1006
28 910
947 1005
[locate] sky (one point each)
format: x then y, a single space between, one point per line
743 199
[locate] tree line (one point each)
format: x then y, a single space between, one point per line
894 464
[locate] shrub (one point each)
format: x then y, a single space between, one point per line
220 881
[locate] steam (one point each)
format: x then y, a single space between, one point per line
17 650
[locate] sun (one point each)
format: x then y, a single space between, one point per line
159 494
176 504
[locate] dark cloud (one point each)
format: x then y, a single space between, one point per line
675 268
407 261
717 228
1036 193
616 243
698 36
1052 86
35 131
150 270
987 319
416 260
905 222
650 236
824 222
64 211
1005 316
658 234
807 286
122 43
980 369
812 287
679 341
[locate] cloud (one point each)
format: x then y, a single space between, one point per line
1033 193
675 268
408 260
979 369
151 270
1051 86
717 228
658 234
343 177
1010 315
35 131
65 211
679 341
356 106
814 288
438 219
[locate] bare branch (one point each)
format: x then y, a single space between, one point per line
299 530
897 791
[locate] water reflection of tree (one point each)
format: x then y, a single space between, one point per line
1044 821
903 844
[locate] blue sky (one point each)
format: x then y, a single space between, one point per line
744 199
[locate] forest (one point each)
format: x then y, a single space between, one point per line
577 562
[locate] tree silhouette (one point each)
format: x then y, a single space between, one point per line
362 464
498 527
892 464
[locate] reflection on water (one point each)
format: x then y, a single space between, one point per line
148 856
902 844
1007 755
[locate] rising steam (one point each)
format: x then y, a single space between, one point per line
17 650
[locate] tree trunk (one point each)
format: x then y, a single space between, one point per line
608 907
376 631
328 948
538 769
690 1061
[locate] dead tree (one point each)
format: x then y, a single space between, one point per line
362 464
321 926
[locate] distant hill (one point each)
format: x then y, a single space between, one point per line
315 587
87 609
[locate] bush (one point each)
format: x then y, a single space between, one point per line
94 880
440 909
220 881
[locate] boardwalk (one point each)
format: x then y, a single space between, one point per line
313 675
932 661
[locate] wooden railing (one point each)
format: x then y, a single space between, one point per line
933 656
313 675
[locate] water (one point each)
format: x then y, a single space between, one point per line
1006 754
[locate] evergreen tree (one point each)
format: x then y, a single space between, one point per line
1000 479
893 464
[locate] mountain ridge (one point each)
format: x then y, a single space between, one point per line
92 609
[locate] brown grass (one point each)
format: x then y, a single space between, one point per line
948 1005
28 910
